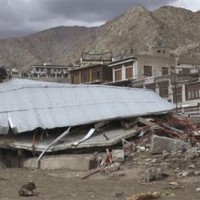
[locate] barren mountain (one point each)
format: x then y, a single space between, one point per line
137 30
50 45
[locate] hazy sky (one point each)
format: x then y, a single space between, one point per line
21 17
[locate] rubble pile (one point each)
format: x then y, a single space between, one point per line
161 144
165 147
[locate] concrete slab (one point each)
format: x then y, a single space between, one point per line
160 144
68 161
97 140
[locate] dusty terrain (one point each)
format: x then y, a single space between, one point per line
129 180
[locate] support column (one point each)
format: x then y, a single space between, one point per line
123 72
157 90
113 73
170 92
183 93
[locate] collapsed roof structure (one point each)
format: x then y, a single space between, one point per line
27 105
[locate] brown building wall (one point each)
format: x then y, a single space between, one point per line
99 73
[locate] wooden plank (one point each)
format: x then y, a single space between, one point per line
91 172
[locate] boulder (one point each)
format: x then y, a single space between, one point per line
160 144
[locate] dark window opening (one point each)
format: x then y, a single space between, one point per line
147 70
177 95
129 72
164 92
85 77
165 71
186 71
118 75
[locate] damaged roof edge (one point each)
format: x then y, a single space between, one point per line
15 129
59 105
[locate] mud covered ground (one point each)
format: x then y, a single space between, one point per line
64 184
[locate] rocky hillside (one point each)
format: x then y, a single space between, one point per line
50 45
137 30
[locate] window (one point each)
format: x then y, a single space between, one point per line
165 71
192 92
118 74
129 72
48 71
96 74
85 76
177 95
164 91
75 78
186 71
147 70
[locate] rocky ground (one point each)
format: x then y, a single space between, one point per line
179 179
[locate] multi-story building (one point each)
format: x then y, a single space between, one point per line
186 85
47 70
93 69
148 70
175 78
91 74
124 70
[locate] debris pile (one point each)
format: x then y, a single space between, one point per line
169 142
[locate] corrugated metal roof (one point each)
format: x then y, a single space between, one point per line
26 105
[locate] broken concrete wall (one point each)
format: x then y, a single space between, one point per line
68 161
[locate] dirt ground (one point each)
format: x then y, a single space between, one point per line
64 184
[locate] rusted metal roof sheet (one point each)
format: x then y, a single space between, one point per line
26 105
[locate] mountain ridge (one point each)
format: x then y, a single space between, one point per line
135 31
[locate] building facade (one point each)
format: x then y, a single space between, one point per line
47 70
91 74
175 78
124 69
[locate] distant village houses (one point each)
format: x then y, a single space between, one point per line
175 78
47 70
93 69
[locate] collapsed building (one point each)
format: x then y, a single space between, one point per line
44 117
